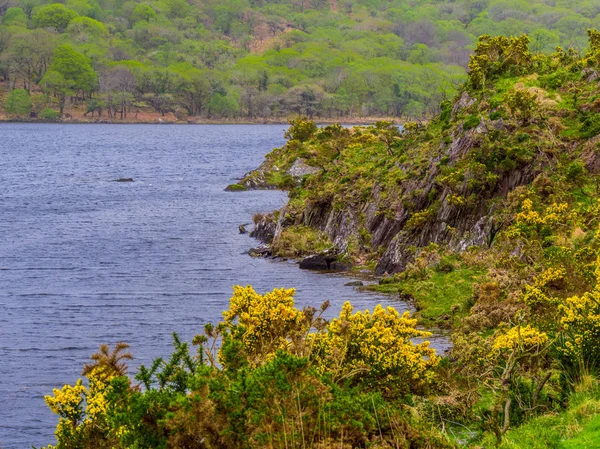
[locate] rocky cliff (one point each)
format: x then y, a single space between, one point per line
386 192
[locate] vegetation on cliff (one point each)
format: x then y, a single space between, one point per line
259 60
488 217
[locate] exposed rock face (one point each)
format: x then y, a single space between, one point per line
300 168
265 229
458 226
257 179
464 102
591 155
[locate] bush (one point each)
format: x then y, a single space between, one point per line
471 122
18 103
49 114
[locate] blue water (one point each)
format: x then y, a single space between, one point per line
85 260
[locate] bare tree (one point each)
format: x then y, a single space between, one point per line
117 85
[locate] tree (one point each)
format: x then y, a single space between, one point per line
196 91
117 84
222 106
29 55
75 68
15 17
55 16
18 103
54 83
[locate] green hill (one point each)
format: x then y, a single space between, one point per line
259 60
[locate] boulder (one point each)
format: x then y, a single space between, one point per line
339 266
317 262
123 180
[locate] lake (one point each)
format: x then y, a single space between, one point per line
85 260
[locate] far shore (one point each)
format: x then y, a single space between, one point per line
170 119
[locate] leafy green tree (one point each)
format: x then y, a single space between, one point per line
54 83
55 15
14 17
18 103
143 12
75 68
84 28
221 106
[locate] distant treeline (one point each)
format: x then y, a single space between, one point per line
262 59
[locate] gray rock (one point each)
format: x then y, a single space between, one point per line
464 102
265 229
123 180
261 251
482 127
354 284
590 75
498 125
300 169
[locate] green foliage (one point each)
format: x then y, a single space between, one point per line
281 60
299 240
75 68
14 17
18 103
280 377
49 114
471 122
55 15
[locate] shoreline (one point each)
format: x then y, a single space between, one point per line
354 121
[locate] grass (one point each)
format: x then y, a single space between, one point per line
437 294
298 240
578 427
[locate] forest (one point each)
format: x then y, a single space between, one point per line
486 219
257 60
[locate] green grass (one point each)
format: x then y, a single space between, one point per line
578 427
299 240
437 293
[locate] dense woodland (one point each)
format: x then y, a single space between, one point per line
259 59
487 219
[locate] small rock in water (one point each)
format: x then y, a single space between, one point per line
242 228
123 180
354 284
261 251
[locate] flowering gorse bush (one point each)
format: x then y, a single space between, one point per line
268 375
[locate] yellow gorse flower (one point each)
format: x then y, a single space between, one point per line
67 402
521 338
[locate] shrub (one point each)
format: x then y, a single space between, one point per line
18 103
49 114
471 122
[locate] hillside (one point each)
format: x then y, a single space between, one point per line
486 218
254 60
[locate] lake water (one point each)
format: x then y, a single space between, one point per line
85 260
